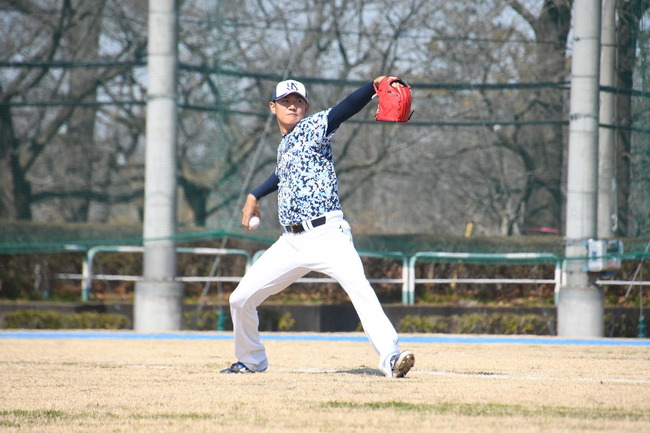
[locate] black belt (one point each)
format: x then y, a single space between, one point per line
303 226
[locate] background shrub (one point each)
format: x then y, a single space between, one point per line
494 323
49 319
616 325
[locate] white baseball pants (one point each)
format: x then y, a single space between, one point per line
327 249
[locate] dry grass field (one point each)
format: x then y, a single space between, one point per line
89 384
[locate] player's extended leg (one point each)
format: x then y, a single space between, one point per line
270 274
337 257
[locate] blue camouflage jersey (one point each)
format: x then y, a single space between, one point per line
308 187
304 176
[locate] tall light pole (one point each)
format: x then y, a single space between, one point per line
607 209
580 304
159 298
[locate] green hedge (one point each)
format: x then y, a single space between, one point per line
209 320
49 319
212 320
619 325
495 323
616 325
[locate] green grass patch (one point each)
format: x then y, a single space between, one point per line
495 410
193 416
380 405
18 417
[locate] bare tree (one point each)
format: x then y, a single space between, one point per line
629 14
331 46
49 150
486 142
541 148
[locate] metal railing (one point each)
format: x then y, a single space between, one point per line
505 258
87 275
408 280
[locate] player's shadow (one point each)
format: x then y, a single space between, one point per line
363 371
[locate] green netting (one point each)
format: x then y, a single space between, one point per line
31 238
478 151
641 147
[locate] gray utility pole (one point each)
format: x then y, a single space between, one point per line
580 305
159 298
607 209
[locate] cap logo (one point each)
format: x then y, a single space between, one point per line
287 87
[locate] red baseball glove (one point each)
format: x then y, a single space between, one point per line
394 100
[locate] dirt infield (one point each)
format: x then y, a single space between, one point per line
164 385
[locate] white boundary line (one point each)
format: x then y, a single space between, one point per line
485 375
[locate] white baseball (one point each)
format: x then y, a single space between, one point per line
254 222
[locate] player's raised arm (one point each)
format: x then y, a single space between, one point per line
349 106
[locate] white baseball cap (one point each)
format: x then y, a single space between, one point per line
287 87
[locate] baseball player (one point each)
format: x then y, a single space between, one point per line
316 237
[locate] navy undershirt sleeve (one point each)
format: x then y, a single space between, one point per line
267 187
350 106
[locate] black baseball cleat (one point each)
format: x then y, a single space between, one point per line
237 367
401 363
